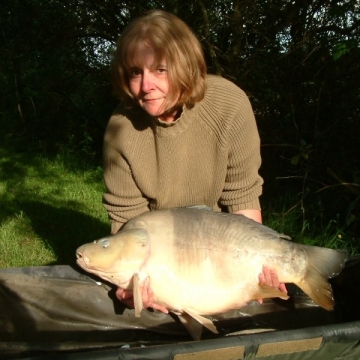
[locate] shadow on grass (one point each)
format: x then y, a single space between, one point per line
63 229
13 171
20 170
61 223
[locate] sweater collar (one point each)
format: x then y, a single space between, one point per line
176 127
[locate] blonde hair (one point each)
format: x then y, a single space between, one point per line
170 39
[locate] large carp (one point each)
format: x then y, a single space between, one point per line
203 262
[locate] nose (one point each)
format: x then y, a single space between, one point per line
147 83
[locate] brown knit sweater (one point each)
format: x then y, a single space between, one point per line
209 156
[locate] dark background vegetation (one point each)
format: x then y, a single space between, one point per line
298 61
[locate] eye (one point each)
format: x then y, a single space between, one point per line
133 72
104 243
161 69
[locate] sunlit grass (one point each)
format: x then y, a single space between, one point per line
49 207
20 246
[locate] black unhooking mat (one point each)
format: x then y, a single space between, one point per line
57 312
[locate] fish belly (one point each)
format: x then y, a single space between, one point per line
206 285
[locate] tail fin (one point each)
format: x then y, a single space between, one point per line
323 264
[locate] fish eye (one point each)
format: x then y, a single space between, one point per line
104 243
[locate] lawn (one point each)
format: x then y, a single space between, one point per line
48 208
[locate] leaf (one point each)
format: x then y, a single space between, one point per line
295 160
305 156
343 47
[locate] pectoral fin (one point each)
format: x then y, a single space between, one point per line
266 291
138 304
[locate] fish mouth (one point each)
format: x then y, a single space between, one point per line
82 260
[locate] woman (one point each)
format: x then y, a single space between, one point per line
179 137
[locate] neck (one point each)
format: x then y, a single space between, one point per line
171 115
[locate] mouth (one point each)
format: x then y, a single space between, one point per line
150 100
82 260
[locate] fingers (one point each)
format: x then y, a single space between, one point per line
269 277
283 288
148 298
160 308
125 296
147 294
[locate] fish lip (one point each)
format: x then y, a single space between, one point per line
82 260
82 263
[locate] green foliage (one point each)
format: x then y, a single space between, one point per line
316 229
344 47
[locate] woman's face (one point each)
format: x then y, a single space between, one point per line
150 85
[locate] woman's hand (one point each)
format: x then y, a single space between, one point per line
126 296
269 277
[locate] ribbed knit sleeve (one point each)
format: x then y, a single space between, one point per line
123 199
243 185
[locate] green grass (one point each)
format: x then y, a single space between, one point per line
48 208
